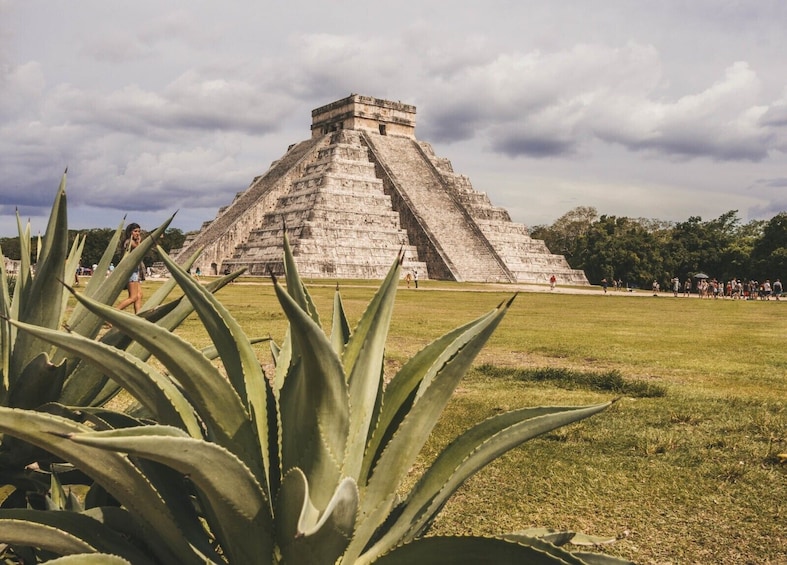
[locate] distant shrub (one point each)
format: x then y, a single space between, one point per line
606 381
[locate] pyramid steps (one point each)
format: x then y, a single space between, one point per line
339 221
359 191
466 252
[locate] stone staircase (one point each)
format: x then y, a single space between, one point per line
232 223
527 260
339 221
464 250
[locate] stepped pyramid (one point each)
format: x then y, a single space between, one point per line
354 194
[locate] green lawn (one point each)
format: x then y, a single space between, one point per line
687 477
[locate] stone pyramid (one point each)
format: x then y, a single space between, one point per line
354 194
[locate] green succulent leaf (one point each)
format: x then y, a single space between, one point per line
282 357
306 535
128 525
235 497
57 495
313 404
400 393
469 453
65 533
295 286
89 559
233 346
237 354
561 537
405 444
363 362
6 339
163 291
87 385
103 263
26 533
87 323
219 406
340 329
470 551
23 276
119 476
72 262
154 390
41 300
40 382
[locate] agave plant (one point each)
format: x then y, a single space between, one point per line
306 466
36 375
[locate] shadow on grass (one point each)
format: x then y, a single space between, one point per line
608 381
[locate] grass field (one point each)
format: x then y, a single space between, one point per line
689 475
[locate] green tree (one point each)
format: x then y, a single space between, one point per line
10 247
769 253
712 247
563 235
96 241
620 248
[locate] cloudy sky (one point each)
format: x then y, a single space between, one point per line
658 109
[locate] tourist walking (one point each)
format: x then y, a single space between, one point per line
132 239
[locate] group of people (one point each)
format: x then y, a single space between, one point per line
736 289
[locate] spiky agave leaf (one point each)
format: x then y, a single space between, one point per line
295 287
72 261
218 404
378 494
114 472
6 342
471 550
86 385
235 500
40 382
363 360
306 534
340 327
96 280
90 559
40 299
154 390
236 352
82 321
314 404
466 455
547 539
401 391
65 533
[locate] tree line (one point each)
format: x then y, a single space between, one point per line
634 250
96 242
639 251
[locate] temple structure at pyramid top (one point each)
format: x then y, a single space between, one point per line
354 194
364 113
